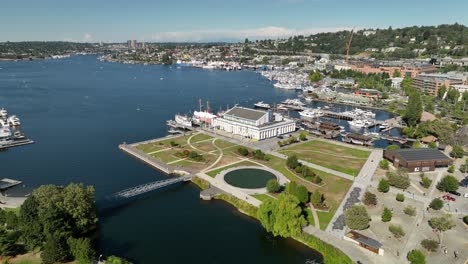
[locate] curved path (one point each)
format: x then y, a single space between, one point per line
219 157
190 144
316 218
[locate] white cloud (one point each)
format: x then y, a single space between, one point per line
87 37
220 35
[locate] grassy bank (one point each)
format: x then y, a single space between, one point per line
246 208
202 184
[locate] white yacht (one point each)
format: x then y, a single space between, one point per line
3 113
310 113
295 102
262 105
14 120
5 134
4 123
183 120
357 123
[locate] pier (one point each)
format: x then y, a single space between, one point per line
15 143
147 187
6 183
129 149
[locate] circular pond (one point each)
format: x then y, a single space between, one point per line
248 178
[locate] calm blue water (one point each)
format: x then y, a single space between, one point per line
79 109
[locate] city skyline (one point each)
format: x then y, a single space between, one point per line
143 20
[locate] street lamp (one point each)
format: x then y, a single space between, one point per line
100 256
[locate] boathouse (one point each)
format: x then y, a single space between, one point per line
418 160
253 123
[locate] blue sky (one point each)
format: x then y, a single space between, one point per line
205 20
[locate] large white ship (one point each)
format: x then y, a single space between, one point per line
183 120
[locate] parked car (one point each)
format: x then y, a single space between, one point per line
280 137
466 195
455 193
447 197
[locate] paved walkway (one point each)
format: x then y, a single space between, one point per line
315 215
219 157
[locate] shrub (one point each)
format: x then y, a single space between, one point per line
425 182
384 164
457 152
436 204
398 181
442 223
392 147
302 194
243 151
400 197
465 219
259 155
430 245
316 198
272 185
173 144
432 145
410 210
293 140
386 215
298 169
416 257
448 184
292 162
383 186
317 180
195 156
397 231
370 199
357 217
303 136
451 169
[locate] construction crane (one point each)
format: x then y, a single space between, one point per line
348 45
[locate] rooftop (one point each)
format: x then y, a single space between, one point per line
364 239
246 113
423 154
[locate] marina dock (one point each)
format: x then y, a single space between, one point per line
7 183
16 143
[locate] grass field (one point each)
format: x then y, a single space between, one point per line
329 155
263 197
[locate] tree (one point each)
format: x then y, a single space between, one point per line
384 186
430 245
272 185
442 224
32 230
453 95
448 184
396 74
282 217
410 210
315 77
11 220
457 152
55 249
292 162
302 194
425 182
357 217
451 169
316 198
384 164
370 198
441 91
386 215
397 231
82 250
303 136
414 108
166 59
7 244
416 257
400 197
436 204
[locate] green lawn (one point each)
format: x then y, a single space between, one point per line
215 172
325 218
309 217
199 137
336 157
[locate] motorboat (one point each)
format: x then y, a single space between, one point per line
14 120
262 105
357 123
310 113
18 135
183 120
5 133
3 113
4 123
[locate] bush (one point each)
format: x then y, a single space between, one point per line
298 169
436 204
397 231
370 199
195 156
386 215
317 180
384 186
448 184
432 145
457 152
316 198
392 147
357 217
259 155
465 219
451 169
430 245
400 197
425 182
384 164
272 186
292 162
82 250
416 257
410 210
303 136
243 151
398 181
173 144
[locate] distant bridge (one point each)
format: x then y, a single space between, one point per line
147 187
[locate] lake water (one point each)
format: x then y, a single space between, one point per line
78 110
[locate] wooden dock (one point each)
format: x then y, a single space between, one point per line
16 143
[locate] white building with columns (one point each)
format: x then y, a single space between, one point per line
253 123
